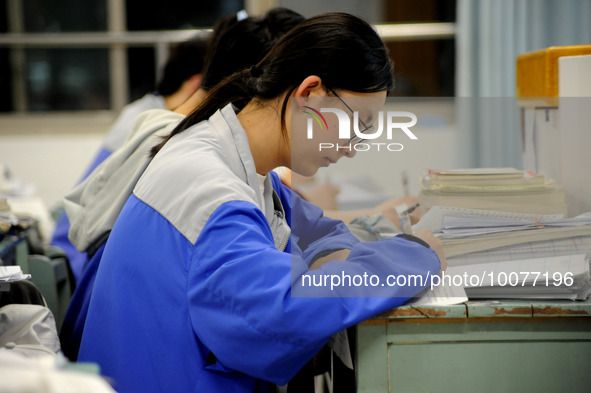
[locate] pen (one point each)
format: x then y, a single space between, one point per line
404 219
411 209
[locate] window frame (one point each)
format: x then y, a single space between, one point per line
117 40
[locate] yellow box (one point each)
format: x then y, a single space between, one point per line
537 74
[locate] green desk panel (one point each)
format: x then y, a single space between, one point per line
509 346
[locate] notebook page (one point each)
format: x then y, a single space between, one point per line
433 219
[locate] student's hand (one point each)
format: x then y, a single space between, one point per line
323 195
388 209
436 245
340 255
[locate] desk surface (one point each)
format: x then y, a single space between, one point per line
491 308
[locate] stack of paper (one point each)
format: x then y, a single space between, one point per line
12 273
528 250
502 189
562 277
511 255
468 230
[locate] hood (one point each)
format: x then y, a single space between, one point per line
94 205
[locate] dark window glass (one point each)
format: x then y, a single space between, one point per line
419 11
141 71
67 79
64 15
3 17
423 68
5 69
177 14
6 104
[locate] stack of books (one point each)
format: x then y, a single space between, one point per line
500 189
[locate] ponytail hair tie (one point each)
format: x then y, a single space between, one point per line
255 72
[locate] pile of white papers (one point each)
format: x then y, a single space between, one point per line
502 189
12 273
473 225
561 277
468 230
514 255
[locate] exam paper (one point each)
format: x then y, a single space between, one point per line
440 295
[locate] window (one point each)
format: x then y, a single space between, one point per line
60 55
420 35
423 68
73 55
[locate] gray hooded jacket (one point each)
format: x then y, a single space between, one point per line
94 205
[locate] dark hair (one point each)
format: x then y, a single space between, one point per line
342 49
185 60
236 45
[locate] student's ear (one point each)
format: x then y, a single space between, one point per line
195 82
310 87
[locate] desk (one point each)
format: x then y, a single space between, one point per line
14 251
477 346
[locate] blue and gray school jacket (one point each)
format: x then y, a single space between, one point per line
199 290
115 138
94 205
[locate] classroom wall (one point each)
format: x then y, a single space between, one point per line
50 152
380 173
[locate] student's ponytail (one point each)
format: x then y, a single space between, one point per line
342 49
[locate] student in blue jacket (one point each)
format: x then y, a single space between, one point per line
200 285
181 77
94 205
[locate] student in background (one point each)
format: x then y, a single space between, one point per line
94 205
181 78
324 195
235 46
199 287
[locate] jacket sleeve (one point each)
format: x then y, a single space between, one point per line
314 233
250 309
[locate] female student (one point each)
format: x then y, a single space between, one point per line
200 284
181 78
94 205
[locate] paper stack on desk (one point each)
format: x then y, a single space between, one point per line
559 277
502 189
12 274
469 230
513 255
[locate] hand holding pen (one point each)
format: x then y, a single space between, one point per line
425 234
404 218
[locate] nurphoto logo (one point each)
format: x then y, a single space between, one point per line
394 121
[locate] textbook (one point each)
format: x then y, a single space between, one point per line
503 189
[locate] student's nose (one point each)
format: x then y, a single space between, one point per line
350 153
